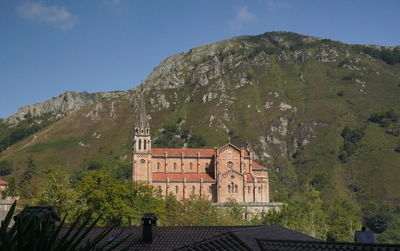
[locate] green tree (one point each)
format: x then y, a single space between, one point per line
377 217
113 201
199 211
58 192
169 138
350 140
236 213
196 141
342 219
304 214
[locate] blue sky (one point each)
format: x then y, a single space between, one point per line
48 47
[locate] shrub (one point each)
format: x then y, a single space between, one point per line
350 140
5 168
94 165
196 141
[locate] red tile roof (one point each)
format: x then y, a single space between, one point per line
256 165
174 151
3 182
181 176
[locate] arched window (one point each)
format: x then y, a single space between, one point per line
248 189
137 130
140 144
191 166
147 131
229 164
145 144
174 166
158 166
176 189
259 189
236 189
193 189
229 188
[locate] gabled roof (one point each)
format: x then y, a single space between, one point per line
191 237
159 176
228 145
225 174
168 238
3 182
178 151
286 245
246 238
244 152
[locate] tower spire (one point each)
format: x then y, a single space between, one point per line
142 120
141 170
142 138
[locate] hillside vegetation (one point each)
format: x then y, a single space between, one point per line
318 113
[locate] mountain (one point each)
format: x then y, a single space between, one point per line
316 112
60 106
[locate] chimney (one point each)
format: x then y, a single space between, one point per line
149 227
364 236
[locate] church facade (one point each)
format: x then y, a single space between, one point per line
219 174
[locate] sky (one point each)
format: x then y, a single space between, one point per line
49 47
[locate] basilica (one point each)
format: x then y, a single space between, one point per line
219 174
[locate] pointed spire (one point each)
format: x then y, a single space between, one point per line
141 120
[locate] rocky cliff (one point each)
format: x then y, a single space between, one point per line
60 106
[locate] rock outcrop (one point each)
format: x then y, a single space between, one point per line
61 105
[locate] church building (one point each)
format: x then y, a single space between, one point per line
217 173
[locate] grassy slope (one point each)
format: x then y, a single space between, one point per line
375 166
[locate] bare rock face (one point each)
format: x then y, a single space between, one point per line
301 55
327 54
61 105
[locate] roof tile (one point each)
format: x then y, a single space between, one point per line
159 176
286 245
176 151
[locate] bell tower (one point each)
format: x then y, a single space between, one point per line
142 139
141 169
